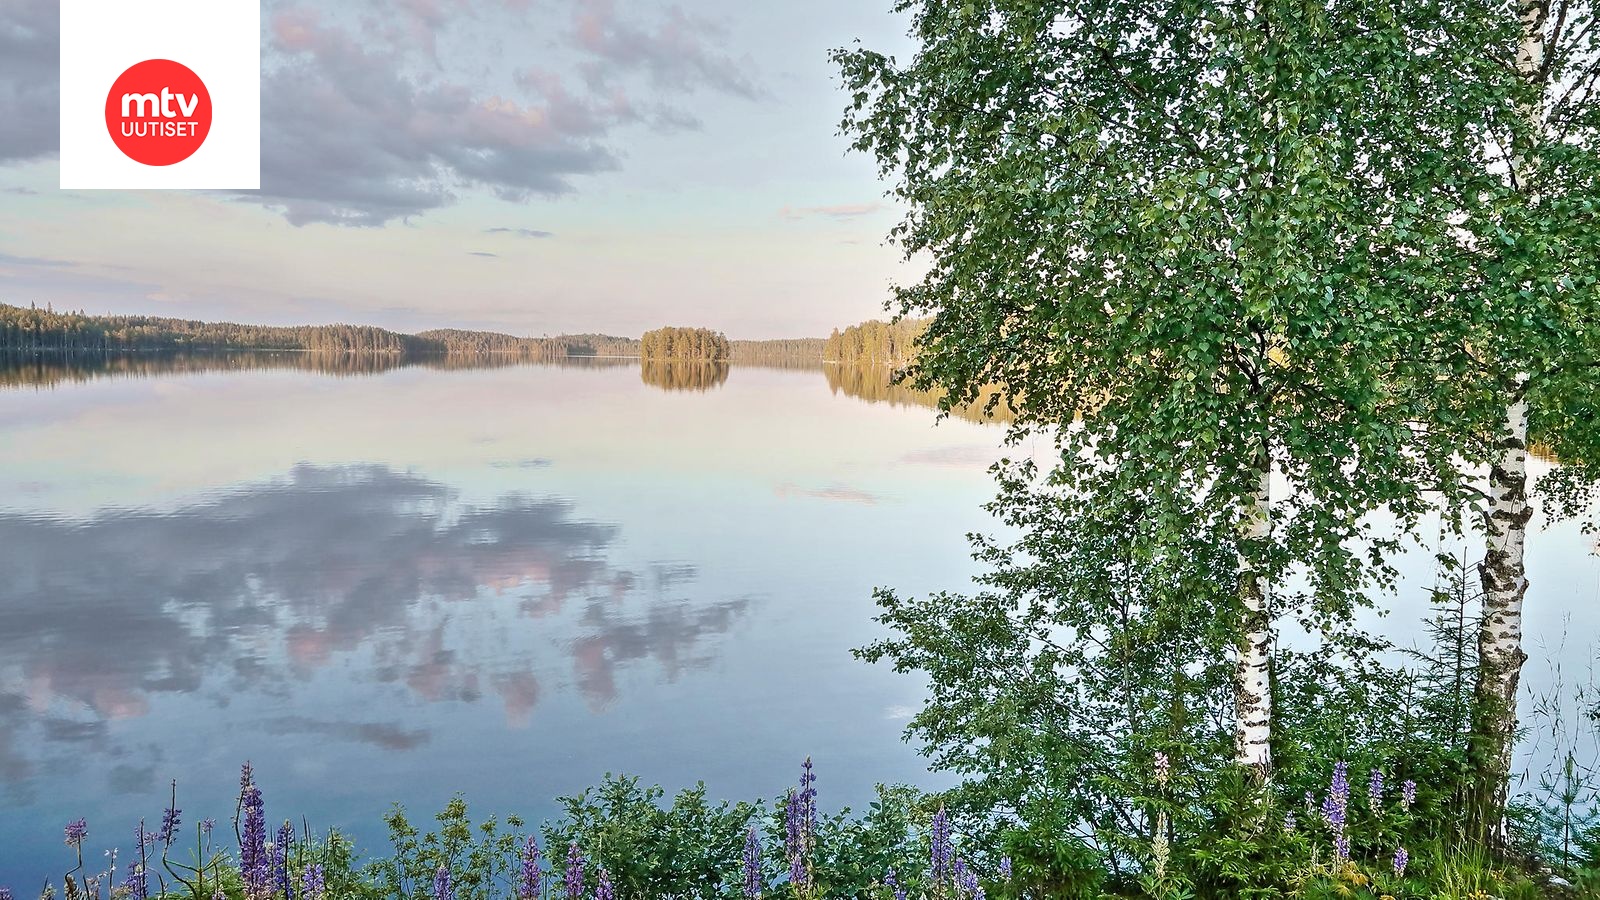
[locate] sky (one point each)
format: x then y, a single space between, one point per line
529 166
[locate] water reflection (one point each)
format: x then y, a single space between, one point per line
46 370
876 384
682 375
384 576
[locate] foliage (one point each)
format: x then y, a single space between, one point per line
684 345
875 343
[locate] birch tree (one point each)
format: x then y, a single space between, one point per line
1533 247
1193 241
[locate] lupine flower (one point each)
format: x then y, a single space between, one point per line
1333 808
441 885
1005 867
808 802
939 846
795 839
76 831
206 825
967 881
219 895
312 882
280 862
1401 857
254 864
528 887
574 873
1289 821
752 864
1311 803
111 868
1408 793
894 884
1341 847
170 820
1163 768
604 891
5 893
1375 790
137 885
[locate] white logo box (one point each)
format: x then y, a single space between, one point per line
219 39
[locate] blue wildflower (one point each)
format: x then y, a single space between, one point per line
1401 857
574 873
967 881
1375 789
280 862
604 891
1408 793
313 884
255 868
76 831
1005 867
894 884
441 885
752 864
528 886
939 851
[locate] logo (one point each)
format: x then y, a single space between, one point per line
158 112
160 94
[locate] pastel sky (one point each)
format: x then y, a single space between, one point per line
531 166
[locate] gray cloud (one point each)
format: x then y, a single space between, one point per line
836 211
30 89
483 253
681 52
362 125
520 232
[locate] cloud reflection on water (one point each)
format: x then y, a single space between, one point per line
362 573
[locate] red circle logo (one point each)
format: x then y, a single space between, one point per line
158 112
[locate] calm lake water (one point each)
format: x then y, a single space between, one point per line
501 582
395 586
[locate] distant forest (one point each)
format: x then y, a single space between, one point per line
33 329
875 343
685 345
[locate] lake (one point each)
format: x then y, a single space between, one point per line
392 584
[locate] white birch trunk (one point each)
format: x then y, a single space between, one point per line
1504 573
1253 680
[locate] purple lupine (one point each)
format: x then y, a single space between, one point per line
1163 768
795 842
280 862
1289 821
808 802
206 825
170 820
1401 857
528 886
966 881
894 884
1338 801
1311 803
939 850
1408 793
604 890
1375 790
76 831
254 865
1341 847
1005 867
137 884
313 883
5 893
441 884
752 864
574 872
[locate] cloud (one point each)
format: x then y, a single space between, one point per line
30 89
40 261
682 52
520 232
838 211
483 253
355 572
363 124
